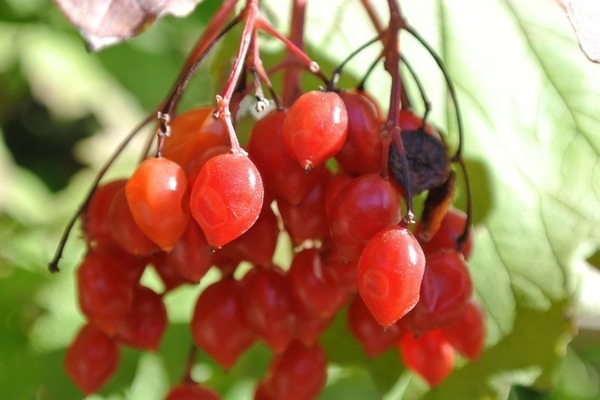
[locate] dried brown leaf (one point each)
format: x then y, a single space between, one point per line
106 22
585 18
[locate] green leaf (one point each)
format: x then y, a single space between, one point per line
529 102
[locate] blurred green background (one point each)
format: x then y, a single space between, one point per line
530 102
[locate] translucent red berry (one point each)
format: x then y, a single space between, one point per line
95 216
145 322
362 151
227 197
218 324
157 197
192 133
450 229
429 355
390 271
191 256
281 173
445 292
363 207
467 335
268 308
124 231
91 359
315 128
299 373
373 338
191 391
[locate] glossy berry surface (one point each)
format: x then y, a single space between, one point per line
94 218
429 355
363 207
297 364
390 270
373 338
444 239
227 197
446 290
145 322
362 151
192 134
467 334
91 359
191 391
315 128
157 197
218 325
192 256
282 175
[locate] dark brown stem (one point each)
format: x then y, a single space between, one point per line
337 72
392 131
462 239
426 102
449 84
189 365
53 265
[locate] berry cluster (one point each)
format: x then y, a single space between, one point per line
201 205
325 168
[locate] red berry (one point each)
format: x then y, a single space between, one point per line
307 220
364 206
256 245
145 322
429 355
362 152
105 288
281 173
91 359
450 229
268 307
390 271
95 216
157 198
315 128
192 133
299 373
227 197
191 256
191 391
313 285
218 324
169 277
124 231
372 337
446 290
467 335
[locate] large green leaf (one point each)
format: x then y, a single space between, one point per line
529 101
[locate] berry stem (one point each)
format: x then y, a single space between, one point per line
361 85
291 74
305 60
337 72
53 265
449 84
372 15
426 102
461 240
392 131
250 15
189 365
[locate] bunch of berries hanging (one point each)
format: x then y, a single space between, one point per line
324 167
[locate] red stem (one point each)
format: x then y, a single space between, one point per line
222 111
291 77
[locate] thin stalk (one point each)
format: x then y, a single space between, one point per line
53 265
